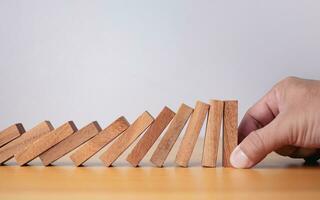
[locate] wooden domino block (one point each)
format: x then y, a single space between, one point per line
8 151
126 138
211 141
193 130
170 137
70 143
230 131
45 142
11 133
151 135
99 141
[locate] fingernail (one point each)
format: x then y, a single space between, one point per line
239 159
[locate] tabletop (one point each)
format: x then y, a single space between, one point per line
275 177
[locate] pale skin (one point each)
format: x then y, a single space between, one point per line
285 120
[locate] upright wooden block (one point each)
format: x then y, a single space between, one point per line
170 137
11 133
190 138
150 137
94 145
7 151
230 130
70 143
211 141
127 138
45 142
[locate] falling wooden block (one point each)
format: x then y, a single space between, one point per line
8 151
211 141
230 130
99 141
170 137
193 130
70 143
126 138
11 133
45 142
151 135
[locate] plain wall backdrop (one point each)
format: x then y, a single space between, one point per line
97 60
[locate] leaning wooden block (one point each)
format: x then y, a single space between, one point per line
193 130
170 137
151 135
126 138
70 143
11 133
211 141
99 141
230 130
45 142
7 151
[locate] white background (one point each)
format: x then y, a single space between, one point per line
97 60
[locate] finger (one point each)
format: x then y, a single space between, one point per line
259 143
313 158
259 115
296 152
286 150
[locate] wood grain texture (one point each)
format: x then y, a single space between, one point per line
230 130
193 130
11 133
126 139
170 137
70 143
45 142
8 151
211 141
94 145
150 137
276 177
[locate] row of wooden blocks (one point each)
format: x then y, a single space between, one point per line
50 144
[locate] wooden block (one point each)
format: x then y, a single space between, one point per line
190 138
11 133
7 151
230 131
45 142
70 143
126 138
170 137
211 141
99 141
150 137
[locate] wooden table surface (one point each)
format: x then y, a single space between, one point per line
276 177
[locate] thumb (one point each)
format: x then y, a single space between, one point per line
259 143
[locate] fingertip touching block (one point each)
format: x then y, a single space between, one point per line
11 133
171 135
8 150
150 136
45 142
191 135
230 130
126 138
94 145
70 143
212 135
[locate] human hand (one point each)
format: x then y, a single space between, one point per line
285 120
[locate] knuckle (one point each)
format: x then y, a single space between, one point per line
259 140
290 87
255 144
290 79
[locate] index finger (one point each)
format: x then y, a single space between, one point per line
259 115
